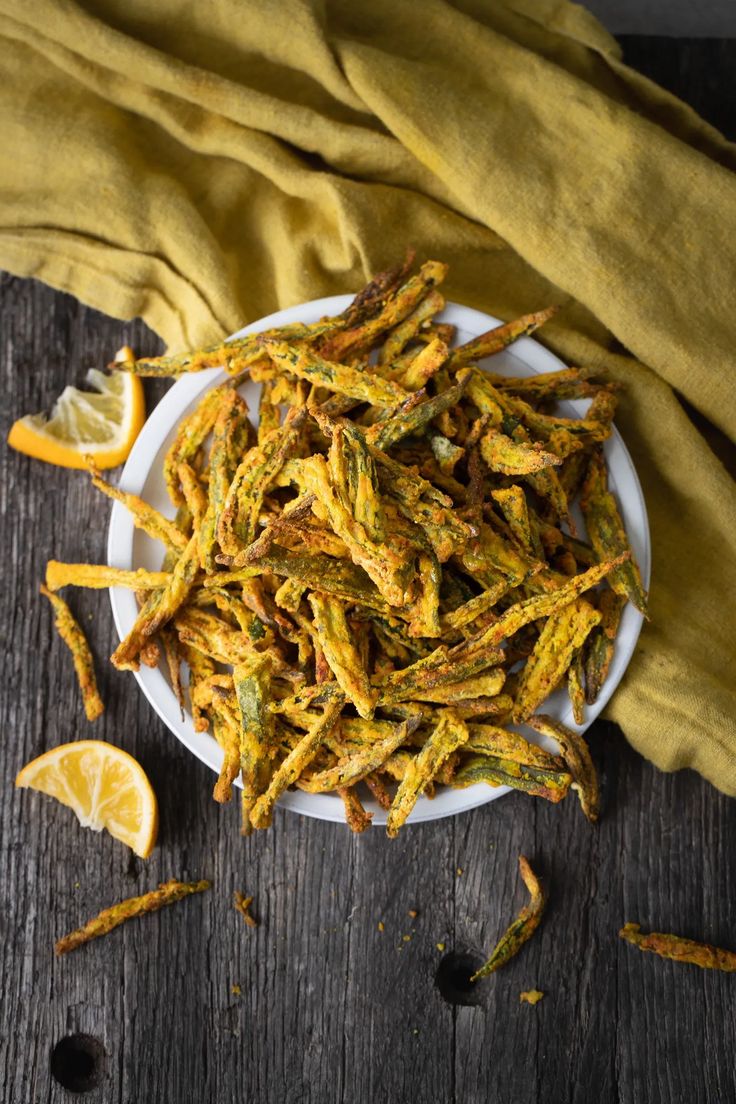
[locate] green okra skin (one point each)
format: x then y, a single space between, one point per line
608 535
600 645
574 751
551 783
253 693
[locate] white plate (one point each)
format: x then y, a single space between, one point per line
129 548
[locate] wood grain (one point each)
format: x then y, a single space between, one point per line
317 1005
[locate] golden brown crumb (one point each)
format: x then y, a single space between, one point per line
242 904
531 996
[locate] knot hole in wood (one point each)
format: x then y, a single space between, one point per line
78 1063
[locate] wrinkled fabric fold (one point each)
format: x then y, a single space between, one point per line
203 165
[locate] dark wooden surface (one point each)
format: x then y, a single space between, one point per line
316 1005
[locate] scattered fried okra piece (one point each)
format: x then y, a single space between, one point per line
168 893
523 927
679 949
76 642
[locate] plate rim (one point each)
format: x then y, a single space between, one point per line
121 531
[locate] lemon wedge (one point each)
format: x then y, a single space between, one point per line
104 786
101 423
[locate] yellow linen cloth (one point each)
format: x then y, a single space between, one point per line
203 163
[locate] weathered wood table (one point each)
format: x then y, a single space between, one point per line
317 1005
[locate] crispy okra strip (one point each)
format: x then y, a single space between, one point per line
550 783
281 528
319 694
544 426
376 785
679 949
168 893
576 687
503 454
76 642
421 503
253 691
379 288
385 564
563 634
396 307
497 709
576 755
242 904
238 519
355 768
227 735
568 383
144 517
201 668
342 379
600 645
523 927
475 607
214 637
298 758
503 743
191 434
159 609
235 355
342 578
341 653
269 415
489 555
449 734
99 577
289 595
441 667
356 817
413 370
444 451
542 605
493 341
194 494
513 504
354 478
173 663
607 533
400 336
424 621
487 684
411 418
228 443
